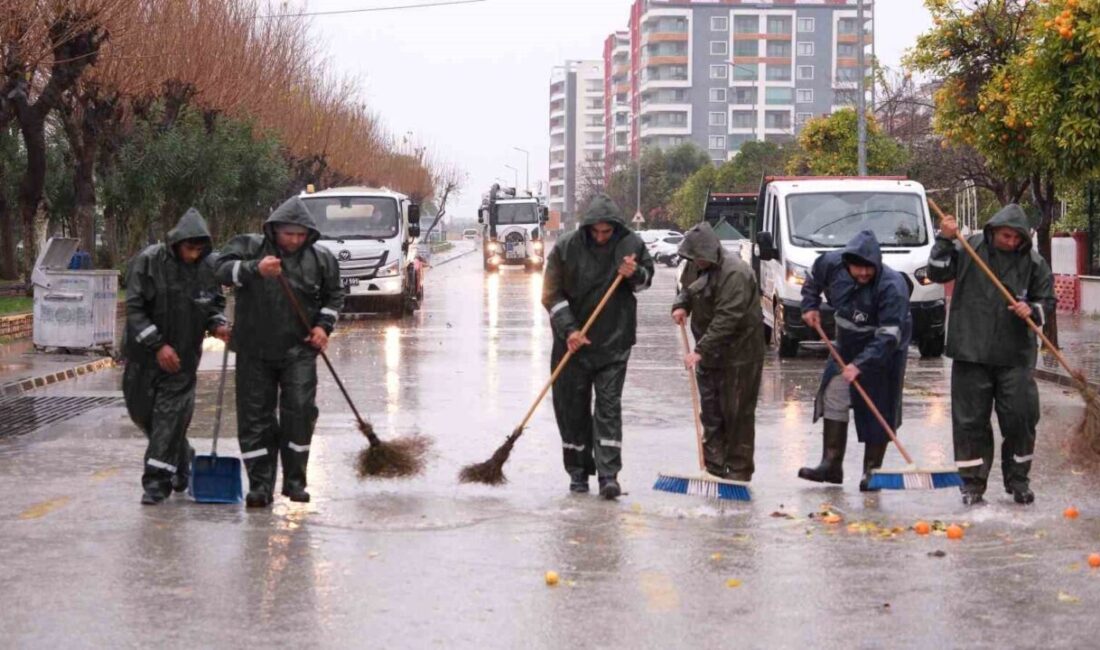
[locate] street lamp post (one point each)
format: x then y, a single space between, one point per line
756 105
527 168
515 172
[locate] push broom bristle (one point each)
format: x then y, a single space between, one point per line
398 458
914 479
491 472
709 487
1089 429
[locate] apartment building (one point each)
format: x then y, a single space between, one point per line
721 73
617 94
577 132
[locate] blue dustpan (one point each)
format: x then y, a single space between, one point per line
216 479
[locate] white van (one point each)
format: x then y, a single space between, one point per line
372 232
799 218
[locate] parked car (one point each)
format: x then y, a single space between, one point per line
470 233
666 249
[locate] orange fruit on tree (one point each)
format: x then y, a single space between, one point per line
1070 513
954 531
1094 560
922 528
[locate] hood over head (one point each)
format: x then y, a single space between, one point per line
292 212
864 250
190 226
1010 216
701 243
603 210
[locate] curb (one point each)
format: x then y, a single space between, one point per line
453 258
15 388
1062 379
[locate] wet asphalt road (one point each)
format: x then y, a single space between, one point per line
430 563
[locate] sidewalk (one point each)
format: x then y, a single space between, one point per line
1079 339
23 369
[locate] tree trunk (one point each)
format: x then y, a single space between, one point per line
1043 193
110 236
9 269
78 123
30 189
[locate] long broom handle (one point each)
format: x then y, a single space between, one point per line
696 408
305 322
221 400
1008 295
569 354
866 398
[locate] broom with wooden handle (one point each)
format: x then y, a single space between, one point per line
1089 429
704 484
910 478
491 472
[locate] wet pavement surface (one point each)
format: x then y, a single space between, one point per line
428 562
1079 341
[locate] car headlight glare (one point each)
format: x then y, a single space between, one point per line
796 273
390 270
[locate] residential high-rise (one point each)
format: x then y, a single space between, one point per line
722 73
576 133
617 93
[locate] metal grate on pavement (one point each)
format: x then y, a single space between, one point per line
28 413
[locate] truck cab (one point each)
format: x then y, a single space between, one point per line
373 233
799 218
514 233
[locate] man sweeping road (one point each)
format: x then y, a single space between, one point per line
720 295
873 328
579 270
276 354
992 348
172 301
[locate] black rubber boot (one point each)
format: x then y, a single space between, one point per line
296 493
609 488
972 493
831 469
873 453
1022 494
578 482
149 498
182 478
257 499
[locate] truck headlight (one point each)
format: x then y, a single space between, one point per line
537 246
494 247
921 275
390 270
796 273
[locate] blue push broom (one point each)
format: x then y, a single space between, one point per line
911 477
704 484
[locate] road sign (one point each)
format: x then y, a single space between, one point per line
638 218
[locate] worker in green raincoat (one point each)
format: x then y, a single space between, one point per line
720 294
276 353
579 271
172 302
992 349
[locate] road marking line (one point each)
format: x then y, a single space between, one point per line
40 510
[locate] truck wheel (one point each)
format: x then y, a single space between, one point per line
931 346
787 347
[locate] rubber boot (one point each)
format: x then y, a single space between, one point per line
578 482
873 453
609 487
831 469
295 493
972 492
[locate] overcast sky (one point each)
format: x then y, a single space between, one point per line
472 81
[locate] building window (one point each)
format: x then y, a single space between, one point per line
805 72
847 26
776 72
718 95
719 48
777 119
746 25
845 97
805 95
847 74
718 119
779 24
717 142
781 96
779 49
745 72
846 51
743 119
802 118
744 96
719 71
719 24
749 47
805 25
805 48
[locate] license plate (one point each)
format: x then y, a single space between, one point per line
350 282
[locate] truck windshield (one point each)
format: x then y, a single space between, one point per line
831 219
509 213
353 217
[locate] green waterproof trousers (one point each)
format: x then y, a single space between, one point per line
161 405
591 439
276 413
976 390
728 397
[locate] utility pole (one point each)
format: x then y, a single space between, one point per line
861 99
527 172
